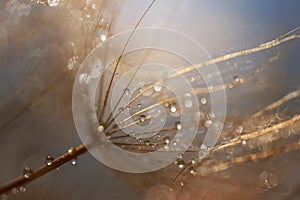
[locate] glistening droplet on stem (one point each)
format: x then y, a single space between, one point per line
49 160
27 172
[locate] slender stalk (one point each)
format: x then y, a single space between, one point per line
22 180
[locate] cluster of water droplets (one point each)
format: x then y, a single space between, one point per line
268 180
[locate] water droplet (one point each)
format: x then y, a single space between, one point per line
103 37
22 189
203 146
132 134
272 181
178 125
15 190
192 79
173 109
74 161
166 140
244 142
27 172
203 100
121 109
53 2
71 150
181 184
237 80
49 160
157 87
3 197
180 163
192 170
139 105
225 174
126 91
147 142
188 103
142 118
239 129
117 74
208 123
101 128
263 175
94 6
269 180
83 78
72 63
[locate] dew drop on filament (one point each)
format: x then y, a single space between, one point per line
157 87
127 91
178 125
74 161
166 140
203 100
180 163
208 123
71 150
49 160
27 172
142 118
101 128
239 129
173 109
147 142
22 189
192 170
192 79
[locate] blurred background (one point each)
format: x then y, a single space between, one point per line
36 81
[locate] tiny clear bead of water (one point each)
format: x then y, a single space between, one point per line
22 189
166 140
49 160
178 125
27 172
